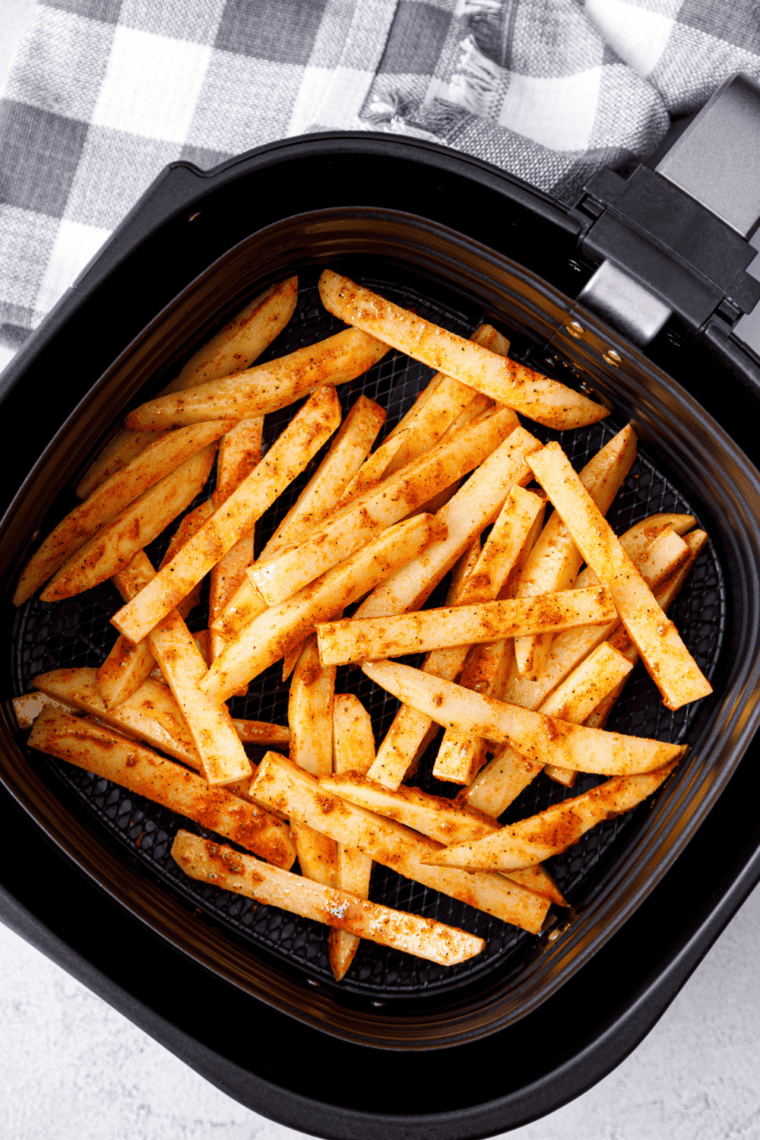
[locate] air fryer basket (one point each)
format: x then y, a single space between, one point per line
685 463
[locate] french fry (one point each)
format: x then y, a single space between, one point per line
667 660
665 595
433 816
265 640
532 840
151 714
111 548
310 716
479 580
239 454
370 639
546 401
132 766
235 347
555 560
228 869
473 507
265 387
112 497
28 707
349 528
303 437
128 664
354 751
531 734
284 787
508 774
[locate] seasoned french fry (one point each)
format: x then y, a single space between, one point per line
532 840
349 528
28 707
555 560
546 401
370 639
265 387
433 816
228 869
99 750
111 548
354 751
531 734
235 347
239 454
472 508
669 663
511 535
112 497
508 774
310 716
284 787
265 640
303 437
128 664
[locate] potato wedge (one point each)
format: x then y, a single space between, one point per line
284 787
532 840
370 639
546 401
265 640
132 766
531 734
349 528
111 548
667 660
265 387
300 440
228 869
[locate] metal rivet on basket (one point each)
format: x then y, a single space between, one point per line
575 329
613 357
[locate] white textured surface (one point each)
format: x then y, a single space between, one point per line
71 1068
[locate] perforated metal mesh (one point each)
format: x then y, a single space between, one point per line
77 632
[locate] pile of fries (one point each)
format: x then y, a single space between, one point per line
522 664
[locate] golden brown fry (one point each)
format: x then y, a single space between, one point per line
225 868
546 401
111 548
370 639
284 787
669 663
349 528
300 440
265 387
554 830
532 735
99 750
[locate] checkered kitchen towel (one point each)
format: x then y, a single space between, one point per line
103 93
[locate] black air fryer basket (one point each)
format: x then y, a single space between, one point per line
641 295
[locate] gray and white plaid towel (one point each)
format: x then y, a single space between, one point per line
103 93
